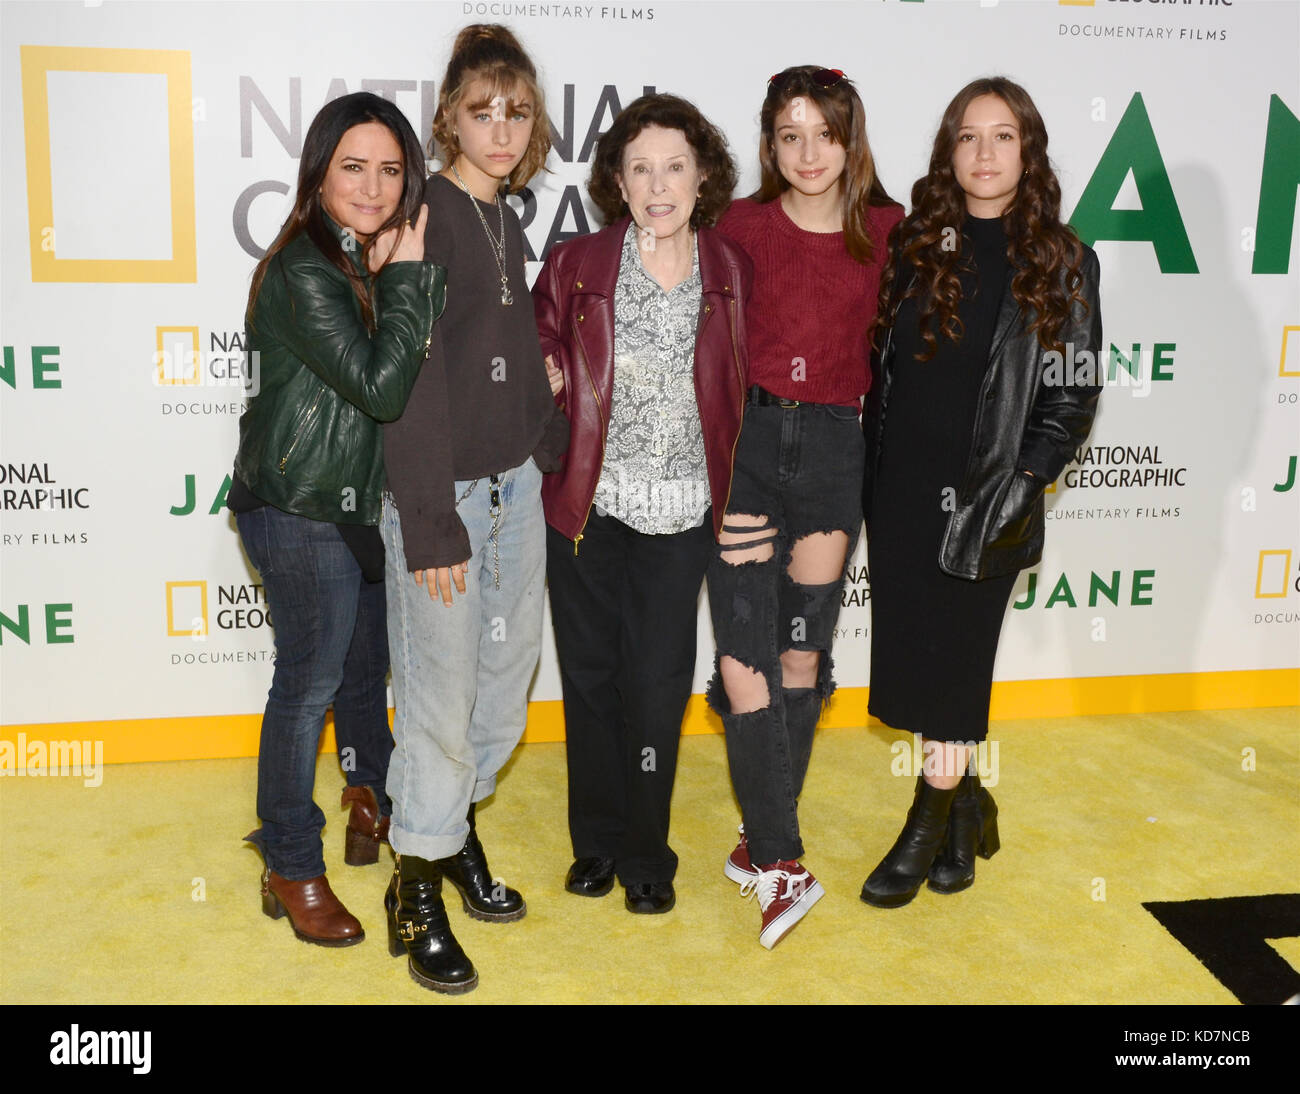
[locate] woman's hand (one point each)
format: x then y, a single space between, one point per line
404 243
555 376
441 580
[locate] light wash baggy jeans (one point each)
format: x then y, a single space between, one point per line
461 672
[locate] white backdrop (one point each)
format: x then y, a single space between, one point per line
166 142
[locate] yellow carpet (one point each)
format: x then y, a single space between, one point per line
139 890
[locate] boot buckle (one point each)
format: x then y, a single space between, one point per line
407 929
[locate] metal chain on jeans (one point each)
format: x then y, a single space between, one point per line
494 487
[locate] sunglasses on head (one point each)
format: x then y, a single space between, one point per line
823 77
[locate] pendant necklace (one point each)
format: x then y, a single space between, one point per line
498 246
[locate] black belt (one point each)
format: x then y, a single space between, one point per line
761 397
758 396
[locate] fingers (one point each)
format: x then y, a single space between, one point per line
409 246
439 581
383 246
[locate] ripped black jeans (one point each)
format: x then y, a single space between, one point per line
800 468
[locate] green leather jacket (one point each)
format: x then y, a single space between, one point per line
310 441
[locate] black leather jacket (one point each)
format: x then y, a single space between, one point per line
1033 414
310 442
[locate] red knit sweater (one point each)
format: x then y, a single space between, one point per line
811 304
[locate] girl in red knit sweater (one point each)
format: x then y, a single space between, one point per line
816 232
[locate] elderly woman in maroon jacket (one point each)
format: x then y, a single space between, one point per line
643 326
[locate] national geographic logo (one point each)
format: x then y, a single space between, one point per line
1275 580
136 222
240 607
1122 467
1174 21
180 365
30 486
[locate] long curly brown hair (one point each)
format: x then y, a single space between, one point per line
1039 247
860 186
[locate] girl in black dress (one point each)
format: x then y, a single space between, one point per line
987 384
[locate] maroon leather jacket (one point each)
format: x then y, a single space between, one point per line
574 302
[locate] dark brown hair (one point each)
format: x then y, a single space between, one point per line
712 156
490 54
323 136
845 118
1038 244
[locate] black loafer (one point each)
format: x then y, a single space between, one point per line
590 876
652 898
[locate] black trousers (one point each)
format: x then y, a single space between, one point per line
624 609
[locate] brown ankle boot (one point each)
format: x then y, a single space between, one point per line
314 912
367 828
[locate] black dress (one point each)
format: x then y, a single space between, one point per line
934 637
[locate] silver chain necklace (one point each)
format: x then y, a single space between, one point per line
498 246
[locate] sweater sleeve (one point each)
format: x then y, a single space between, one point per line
418 457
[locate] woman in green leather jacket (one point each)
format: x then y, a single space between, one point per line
340 314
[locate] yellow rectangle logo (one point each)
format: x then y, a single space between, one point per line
176 356
1278 567
1290 342
173 64
187 609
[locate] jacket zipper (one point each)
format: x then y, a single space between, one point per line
577 341
298 435
428 295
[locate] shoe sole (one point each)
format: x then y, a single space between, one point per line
736 874
889 901
333 943
440 986
789 919
486 917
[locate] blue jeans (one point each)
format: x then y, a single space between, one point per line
461 671
330 646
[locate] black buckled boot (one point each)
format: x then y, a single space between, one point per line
898 877
485 899
418 927
972 830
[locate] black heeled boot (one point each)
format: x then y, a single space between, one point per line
485 899
418 927
901 872
972 830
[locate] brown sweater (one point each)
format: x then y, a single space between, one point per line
482 404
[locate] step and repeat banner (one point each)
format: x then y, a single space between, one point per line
153 148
